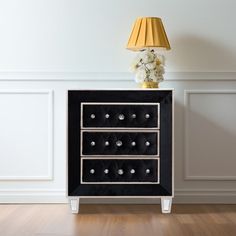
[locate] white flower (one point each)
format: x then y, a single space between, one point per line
133 67
153 76
147 56
161 58
135 64
151 66
138 79
159 78
160 69
140 75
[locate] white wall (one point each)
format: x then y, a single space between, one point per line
50 46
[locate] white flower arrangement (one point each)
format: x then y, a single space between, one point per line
148 67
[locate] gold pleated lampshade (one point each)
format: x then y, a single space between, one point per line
148 32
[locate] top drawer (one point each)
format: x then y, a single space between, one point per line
120 115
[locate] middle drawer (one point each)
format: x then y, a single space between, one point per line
120 143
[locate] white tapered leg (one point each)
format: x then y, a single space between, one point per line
74 205
166 203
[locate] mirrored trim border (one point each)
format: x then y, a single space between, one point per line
118 103
120 131
110 158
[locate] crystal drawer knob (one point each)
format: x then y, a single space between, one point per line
92 143
132 171
107 116
92 171
107 143
92 116
148 171
147 116
133 116
133 144
106 171
119 143
147 143
121 117
120 172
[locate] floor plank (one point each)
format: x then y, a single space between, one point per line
117 220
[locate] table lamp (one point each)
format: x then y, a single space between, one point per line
147 37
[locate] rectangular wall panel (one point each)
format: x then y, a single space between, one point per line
210 140
26 133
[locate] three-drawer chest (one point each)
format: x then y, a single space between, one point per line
120 144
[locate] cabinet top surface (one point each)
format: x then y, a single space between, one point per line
124 89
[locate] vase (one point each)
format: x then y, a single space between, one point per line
149 84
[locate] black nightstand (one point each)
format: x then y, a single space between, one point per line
120 144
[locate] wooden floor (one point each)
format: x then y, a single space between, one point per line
117 220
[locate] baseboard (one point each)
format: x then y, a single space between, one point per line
193 196
33 196
214 196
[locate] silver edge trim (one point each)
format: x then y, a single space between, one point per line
123 89
120 131
173 145
84 182
119 103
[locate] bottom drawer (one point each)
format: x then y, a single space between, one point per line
120 171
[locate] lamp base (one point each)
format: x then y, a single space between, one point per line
149 84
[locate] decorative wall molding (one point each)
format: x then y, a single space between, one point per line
67 76
50 108
187 175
